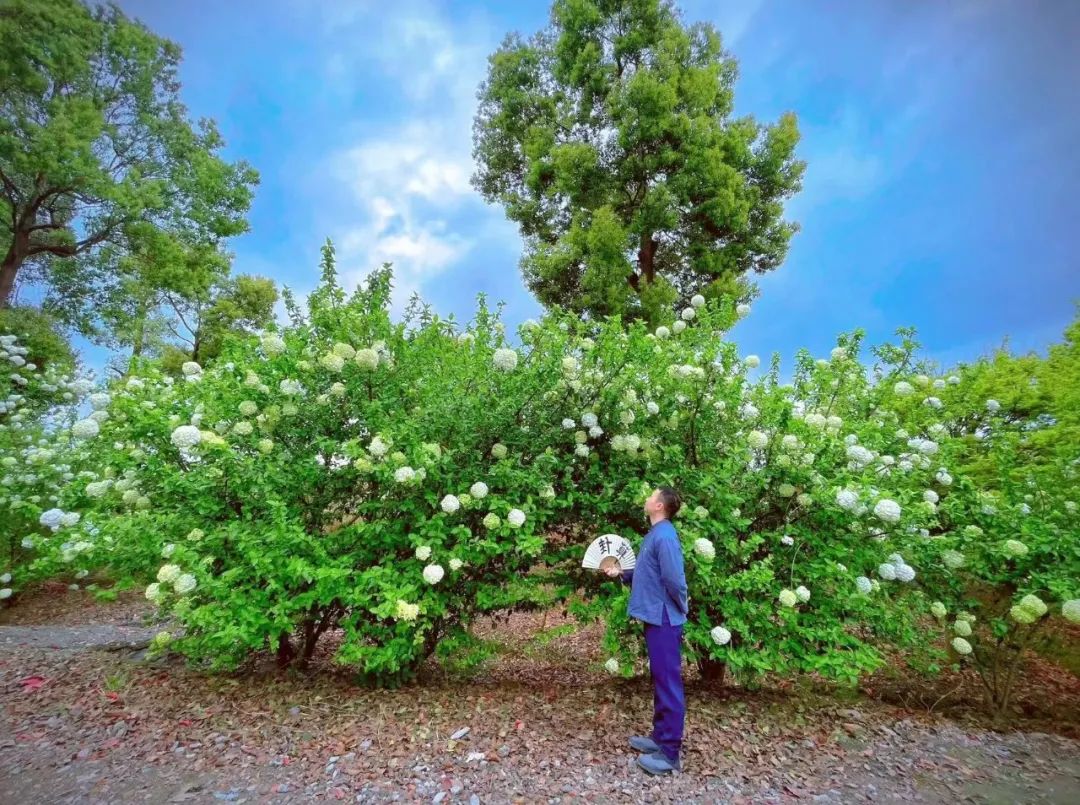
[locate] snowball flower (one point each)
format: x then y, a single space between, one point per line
5 593
864 585
652 407
406 611
516 518
961 646
479 490
802 594
612 666
752 361
993 406
186 437
196 534
887 510
248 408
505 360
1014 548
742 310
191 368
433 574
455 564
787 540
938 610
423 553
705 549
548 492
1070 610
903 389
450 504
943 478
272 344
332 362
785 490
569 424
905 573
97 489
688 314
757 439
290 388
5 579
378 447
168 574
838 353
933 402
953 559
168 550
100 400
662 332
930 496
51 518
1034 605
887 571
720 635
153 592
85 429
787 598
243 428
847 499
962 628
184 584
498 450
491 520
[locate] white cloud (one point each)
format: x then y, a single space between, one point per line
408 173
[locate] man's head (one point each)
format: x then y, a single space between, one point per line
663 502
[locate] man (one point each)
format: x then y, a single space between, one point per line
658 598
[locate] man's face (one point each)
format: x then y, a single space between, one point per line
653 502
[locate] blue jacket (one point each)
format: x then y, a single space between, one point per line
658 581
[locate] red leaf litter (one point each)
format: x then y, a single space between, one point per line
32 683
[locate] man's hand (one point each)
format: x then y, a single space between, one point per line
613 571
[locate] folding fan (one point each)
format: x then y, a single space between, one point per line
609 548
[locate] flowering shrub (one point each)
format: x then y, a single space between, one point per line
394 481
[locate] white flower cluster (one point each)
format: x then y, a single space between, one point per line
887 511
896 569
1029 610
705 549
505 360
720 635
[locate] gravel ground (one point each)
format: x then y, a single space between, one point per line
539 724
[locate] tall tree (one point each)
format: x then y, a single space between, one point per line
95 146
609 139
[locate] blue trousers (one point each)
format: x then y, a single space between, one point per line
669 702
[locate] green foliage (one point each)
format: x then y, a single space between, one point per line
609 138
102 176
300 483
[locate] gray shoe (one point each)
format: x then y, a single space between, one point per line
641 744
659 763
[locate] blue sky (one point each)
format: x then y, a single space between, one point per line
941 139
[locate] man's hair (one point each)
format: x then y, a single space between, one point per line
671 500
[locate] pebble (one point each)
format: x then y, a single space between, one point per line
461 733
474 800
439 797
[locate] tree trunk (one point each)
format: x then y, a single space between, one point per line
9 269
285 652
647 257
712 671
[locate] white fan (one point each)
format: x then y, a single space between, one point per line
606 549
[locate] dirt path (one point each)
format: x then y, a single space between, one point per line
80 724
